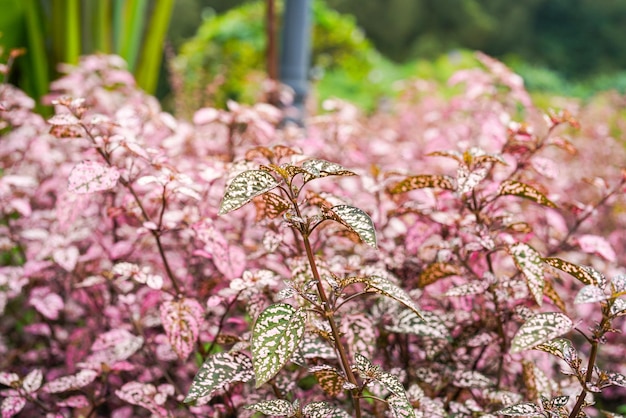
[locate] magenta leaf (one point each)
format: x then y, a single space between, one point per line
181 320
90 177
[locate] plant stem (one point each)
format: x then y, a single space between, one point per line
590 364
329 314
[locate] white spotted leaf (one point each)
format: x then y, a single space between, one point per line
274 407
218 371
590 294
560 347
276 335
522 410
355 220
529 262
540 328
322 409
400 407
316 168
429 325
244 187
90 176
523 190
380 285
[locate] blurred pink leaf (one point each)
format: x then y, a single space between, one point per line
66 257
181 320
90 176
594 244
12 406
46 303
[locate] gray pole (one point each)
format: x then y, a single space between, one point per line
295 54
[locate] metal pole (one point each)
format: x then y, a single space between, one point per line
296 54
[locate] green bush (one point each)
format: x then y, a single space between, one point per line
226 58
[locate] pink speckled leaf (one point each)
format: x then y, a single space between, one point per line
90 177
181 320
11 406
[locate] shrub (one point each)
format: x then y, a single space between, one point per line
445 257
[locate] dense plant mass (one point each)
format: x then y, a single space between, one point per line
456 256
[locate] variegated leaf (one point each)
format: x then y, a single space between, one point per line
316 168
470 379
559 401
436 271
384 287
467 180
90 177
274 407
616 379
244 187
562 348
540 328
330 379
370 371
270 205
356 220
618 307
422 181
276 335
472 288
526 191
32 381
182 319
590 294
585 274
322 409
400 407
529 262
522 410
429 325
220 370
72 382
618 285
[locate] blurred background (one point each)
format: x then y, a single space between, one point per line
215 50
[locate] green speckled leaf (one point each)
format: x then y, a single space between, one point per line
384 287
274 407
316 168
276 335
323 410
400 407
522 410
218 371
530 264
540 328
245 187
429 325
356 220
560 347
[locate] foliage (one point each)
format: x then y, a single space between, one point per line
59 31
225 60
448 256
